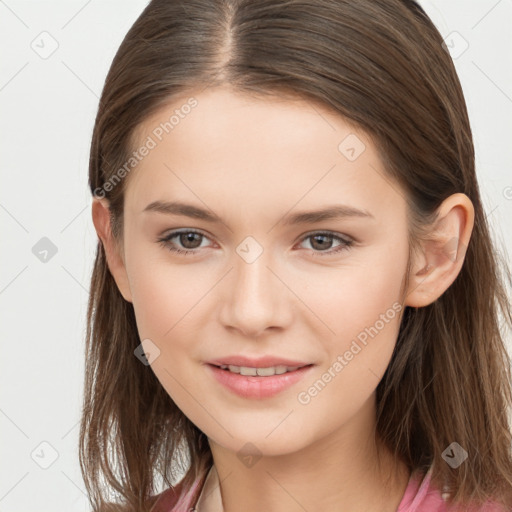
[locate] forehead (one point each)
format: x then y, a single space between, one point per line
231 149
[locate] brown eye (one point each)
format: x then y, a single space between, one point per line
322 242
188 239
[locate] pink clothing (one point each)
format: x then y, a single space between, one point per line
419 496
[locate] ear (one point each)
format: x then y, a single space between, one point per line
440 259
113 253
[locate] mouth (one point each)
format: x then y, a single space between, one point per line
268 371
258 382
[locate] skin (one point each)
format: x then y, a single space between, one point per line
252 161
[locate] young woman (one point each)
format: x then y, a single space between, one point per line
296 303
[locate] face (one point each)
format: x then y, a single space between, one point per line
258 279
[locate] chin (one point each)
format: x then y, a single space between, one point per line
258 443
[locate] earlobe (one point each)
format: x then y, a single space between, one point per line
116 265
439 262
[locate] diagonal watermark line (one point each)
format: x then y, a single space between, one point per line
279 423
409 293
300 299
371 371
3 2
14 485
70 430
199 403
419 284
14 218
75 279
300 199
74 218
300 505
171 328
485 15
492 81
14 423
14 76
165 165
390 183
319 114
78 487
12 280
80 79
75 15
491 212
215 488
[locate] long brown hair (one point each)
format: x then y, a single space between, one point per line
381 65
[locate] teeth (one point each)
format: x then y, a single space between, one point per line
261 372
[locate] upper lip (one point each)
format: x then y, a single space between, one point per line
258 362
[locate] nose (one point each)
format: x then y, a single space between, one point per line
256 297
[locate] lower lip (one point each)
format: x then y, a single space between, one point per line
248 386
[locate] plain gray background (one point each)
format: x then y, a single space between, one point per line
48 104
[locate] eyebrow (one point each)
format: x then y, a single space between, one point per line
304 217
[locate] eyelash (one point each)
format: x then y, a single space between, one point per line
346 243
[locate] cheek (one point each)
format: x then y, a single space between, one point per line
167 305
357 358
165 295
362 310
353 298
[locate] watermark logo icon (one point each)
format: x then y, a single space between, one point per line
147 352
44 250
45 45
249 455
351 147
454 455
44 455
455 44
249 249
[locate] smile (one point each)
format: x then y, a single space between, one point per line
258 383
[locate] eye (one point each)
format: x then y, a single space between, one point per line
189 238
191 241
323 240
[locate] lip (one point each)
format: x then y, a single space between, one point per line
258 362
249 386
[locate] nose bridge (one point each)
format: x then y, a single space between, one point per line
256 298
